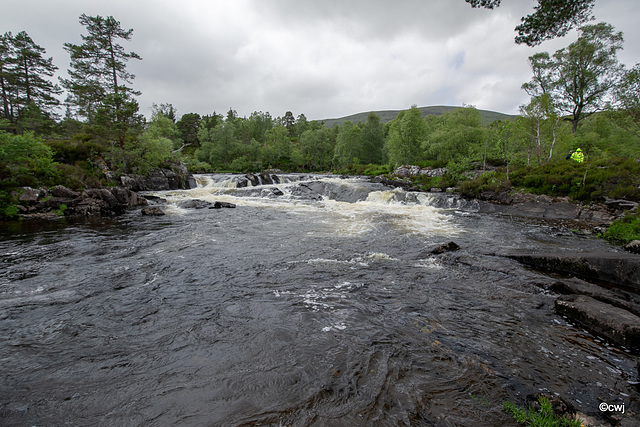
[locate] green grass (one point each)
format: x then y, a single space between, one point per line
544 417
625 230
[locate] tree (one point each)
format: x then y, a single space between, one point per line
455 136
155 145
543 123
219 145
302 124
627 94
277 147
372 139
24 81
581 76
98 71
166 109
507 140
316 149
257 124
289 121
348 149
188 126
407 132
552 18
5 74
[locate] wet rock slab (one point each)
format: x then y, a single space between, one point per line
617 268
616 324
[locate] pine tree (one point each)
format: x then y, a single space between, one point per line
98 76
24 81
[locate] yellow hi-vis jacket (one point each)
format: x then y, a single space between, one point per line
578 156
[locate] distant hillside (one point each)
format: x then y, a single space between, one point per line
388 115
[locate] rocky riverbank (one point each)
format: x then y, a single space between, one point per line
60 201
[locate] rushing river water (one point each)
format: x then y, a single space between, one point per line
315 302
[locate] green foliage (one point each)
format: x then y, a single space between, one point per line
454 135
74 150
149 152
98 69
543 417
491 181
60 210
551 19
79 176
580 77
625 229
277 148
370 169
188 127
25 161
407 134
589 181
349 148
28 97
8 209
315 150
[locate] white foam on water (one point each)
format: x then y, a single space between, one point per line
404 211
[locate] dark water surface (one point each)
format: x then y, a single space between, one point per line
291 309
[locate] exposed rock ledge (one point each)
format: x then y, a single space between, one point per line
177 178
554 208
616 268
62 201
615 324
613 313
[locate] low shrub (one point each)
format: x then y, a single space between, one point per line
616 178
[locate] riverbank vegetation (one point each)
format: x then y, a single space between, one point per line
541 414
581 97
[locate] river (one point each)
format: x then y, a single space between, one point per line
314 302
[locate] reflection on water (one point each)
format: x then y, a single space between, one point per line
318 306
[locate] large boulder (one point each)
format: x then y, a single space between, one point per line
265 178
31 195
194 204
63 201
633 246
152 211
444 247
254 180
220 205
176 178
64 192
406 171
103 201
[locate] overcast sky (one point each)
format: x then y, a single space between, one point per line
322 58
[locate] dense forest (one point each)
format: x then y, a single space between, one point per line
580 97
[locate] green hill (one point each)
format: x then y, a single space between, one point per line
388 115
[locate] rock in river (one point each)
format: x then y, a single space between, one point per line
194 204
152 211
